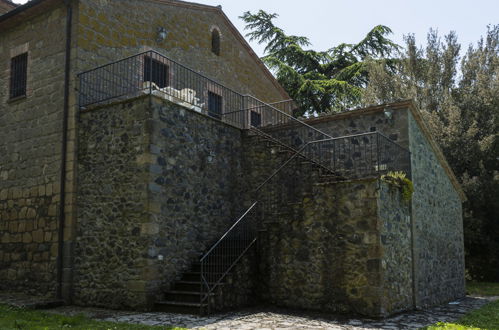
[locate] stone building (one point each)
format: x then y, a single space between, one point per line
148 159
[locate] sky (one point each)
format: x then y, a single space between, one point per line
328 23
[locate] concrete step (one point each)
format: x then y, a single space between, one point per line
184 296
168 306
191 286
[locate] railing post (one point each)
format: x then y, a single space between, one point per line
150 72
378 167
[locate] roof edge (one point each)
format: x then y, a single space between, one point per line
436 149
20 8
237 34
185 4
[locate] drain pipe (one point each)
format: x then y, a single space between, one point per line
64 145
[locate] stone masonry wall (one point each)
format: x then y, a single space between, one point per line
329 246
396 250
329 253
157 186
193 186
113 230
356 123
438 226
108 31
30 135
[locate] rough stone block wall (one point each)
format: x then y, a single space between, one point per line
350 123
108 32
396 250
30 147
329 246
157 186
113 230
437 213
193 185
329 253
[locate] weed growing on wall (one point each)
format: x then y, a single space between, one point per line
400 180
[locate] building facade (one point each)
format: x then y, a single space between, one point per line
137 151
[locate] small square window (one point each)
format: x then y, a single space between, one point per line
18 75
256 119
215 105
156 72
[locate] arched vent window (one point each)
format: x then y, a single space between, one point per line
215 42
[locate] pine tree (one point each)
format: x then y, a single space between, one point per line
460 102
320 81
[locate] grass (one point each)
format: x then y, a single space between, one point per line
486 317
18 318
483 288
483 318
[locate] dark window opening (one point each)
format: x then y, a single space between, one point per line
156 71
18 75
256 119
215 42
215 105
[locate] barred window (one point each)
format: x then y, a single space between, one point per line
215 42
18 75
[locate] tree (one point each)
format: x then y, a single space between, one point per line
319 81
460 102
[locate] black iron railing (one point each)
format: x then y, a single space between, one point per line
360 155
155 74
226 252
348 157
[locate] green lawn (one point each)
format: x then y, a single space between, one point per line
482 288
18 318
486 317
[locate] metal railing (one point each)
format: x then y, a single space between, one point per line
226 252
155 74
347 157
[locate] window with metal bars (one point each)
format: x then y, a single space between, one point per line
18 75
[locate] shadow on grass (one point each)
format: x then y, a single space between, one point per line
19 318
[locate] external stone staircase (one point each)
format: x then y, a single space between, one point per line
186 295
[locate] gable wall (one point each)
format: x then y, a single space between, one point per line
438 226
109 31
30 147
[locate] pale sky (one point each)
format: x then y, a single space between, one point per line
330 22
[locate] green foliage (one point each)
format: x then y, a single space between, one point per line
483 288
400 179
486 317
320 81
459 99
18 318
